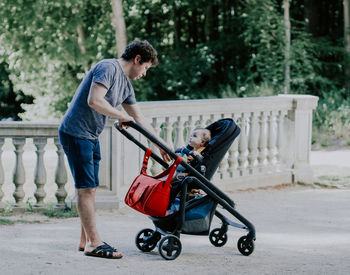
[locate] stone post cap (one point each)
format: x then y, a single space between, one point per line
302 102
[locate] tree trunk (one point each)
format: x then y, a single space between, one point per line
81 40
346 4
119 24
287 48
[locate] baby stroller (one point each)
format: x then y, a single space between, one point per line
194 216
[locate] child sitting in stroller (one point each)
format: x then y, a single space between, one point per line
198 140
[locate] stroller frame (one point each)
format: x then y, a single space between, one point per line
170 245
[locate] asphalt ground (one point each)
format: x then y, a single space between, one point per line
299 230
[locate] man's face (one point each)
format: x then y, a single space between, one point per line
139 70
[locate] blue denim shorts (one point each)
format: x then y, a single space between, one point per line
83 157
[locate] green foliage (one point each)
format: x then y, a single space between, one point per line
42 44
264 35
332 120
219 48
10 101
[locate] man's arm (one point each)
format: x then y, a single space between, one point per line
135 111
96 100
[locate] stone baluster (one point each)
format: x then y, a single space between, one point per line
60 175
280 139
253 142
40 171
201 121
168 131
222 171
156 167
242 147
19 172
232 156
190 127
179 133
262 143
271 142
2 175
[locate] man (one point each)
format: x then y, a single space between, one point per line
105 86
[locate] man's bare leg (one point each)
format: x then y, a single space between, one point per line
86 209
83 241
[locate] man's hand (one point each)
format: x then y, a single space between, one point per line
165 156
124 118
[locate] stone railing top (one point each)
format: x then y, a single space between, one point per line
28 129
228 105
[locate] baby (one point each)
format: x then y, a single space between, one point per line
198 140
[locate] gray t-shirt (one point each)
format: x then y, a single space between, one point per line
81 120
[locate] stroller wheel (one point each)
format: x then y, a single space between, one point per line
245 246
146 240
170 247
217 237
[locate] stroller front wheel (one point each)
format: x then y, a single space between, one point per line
147 239
170 247
245 245
217 237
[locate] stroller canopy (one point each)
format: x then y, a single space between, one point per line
223 132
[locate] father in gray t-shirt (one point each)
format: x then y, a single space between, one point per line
105 87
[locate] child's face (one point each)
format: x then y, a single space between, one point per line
196 139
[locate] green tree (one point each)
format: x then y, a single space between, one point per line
10 101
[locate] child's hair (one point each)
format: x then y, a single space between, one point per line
206 135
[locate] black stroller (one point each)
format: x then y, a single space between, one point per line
194 216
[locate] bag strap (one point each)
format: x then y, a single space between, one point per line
173 169
145 161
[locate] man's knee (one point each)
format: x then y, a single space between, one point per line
86 192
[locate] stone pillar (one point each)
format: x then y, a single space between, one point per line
156 167
179 133
19 172
243 145
253 142
301 118
60 175
262 143
40 171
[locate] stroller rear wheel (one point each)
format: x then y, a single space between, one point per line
147 239
217 237
170 247
245 245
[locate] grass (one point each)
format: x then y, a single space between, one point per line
60 213
9 217
13 221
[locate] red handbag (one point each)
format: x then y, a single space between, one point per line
150 195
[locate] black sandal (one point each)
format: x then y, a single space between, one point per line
104 251
81 249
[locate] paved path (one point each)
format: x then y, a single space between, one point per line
300 230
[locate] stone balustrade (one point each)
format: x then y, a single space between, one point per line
273 148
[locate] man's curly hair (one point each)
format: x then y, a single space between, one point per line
142 48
